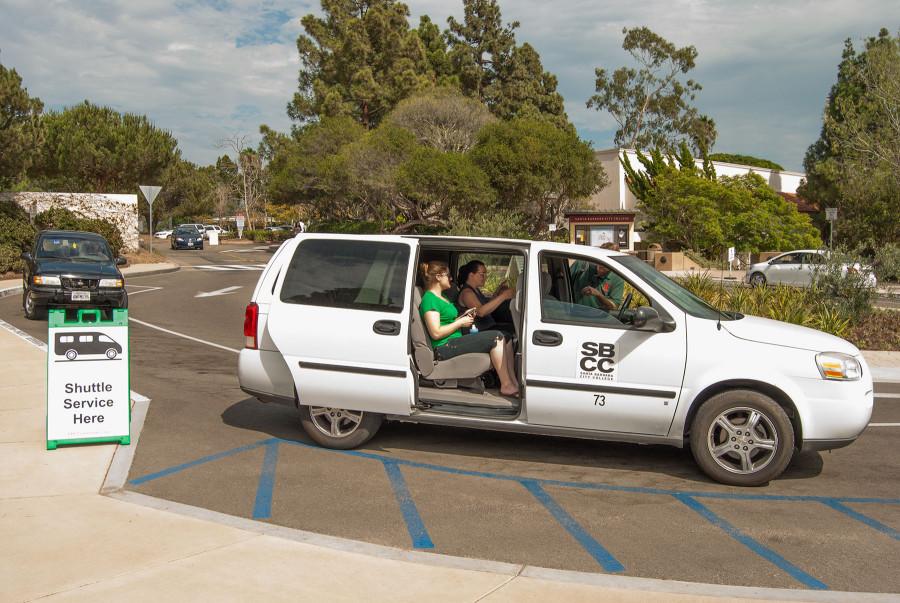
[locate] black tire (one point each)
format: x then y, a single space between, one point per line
367 427
758 279
124 304
743 460
33 310
71 354
111 353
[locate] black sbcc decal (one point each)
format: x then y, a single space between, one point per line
596 361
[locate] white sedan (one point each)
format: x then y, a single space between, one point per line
162 234
797 268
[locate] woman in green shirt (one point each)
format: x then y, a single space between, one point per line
443 323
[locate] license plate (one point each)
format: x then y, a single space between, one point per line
81 296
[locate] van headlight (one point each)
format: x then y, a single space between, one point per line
46 280
111 282
836 366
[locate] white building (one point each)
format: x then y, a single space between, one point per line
611 211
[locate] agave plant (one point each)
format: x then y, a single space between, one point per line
830 318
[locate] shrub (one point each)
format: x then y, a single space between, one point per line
62 219
16 230
887 263
9 258
346 227
500 224
846 287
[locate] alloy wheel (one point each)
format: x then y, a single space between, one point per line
335 422
742 440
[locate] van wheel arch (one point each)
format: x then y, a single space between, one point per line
768 389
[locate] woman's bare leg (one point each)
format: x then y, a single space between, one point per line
509 363
507 386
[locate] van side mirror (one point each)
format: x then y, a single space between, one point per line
648 319
120 261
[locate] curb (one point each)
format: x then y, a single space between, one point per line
10 291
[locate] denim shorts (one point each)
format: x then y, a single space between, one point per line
480 342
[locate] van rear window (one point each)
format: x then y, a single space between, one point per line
359 275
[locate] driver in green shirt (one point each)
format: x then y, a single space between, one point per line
597 286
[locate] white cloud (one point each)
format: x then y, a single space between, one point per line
205 69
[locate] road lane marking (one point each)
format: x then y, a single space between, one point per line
146 289
224 291
203 341
227 267
884 424
253 250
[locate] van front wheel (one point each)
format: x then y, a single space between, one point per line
742 438
337 427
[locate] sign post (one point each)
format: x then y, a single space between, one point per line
239 221
150 193
831 216
88 380
730 259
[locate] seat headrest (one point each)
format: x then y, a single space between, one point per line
546 283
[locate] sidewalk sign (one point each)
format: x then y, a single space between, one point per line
213 237
239 222
88 389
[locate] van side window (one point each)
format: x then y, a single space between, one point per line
578 290
85 338
359 275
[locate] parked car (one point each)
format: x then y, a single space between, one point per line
187 237
71 269
211 228
663 367
277 228
163 234
797 268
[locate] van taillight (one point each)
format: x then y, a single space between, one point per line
251 320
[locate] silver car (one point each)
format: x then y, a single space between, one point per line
796 268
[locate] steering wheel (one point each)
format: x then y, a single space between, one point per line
624 306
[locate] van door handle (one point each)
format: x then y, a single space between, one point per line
386 327
547 338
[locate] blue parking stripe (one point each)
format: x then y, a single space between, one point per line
593 548
762 551
206 459
873 523
262 508
414 523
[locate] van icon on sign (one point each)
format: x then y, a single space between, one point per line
86 343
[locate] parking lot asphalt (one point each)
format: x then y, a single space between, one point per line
830 522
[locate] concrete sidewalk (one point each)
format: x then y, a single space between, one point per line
61 539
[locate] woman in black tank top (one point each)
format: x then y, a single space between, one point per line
471 278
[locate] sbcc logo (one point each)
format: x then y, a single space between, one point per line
597 361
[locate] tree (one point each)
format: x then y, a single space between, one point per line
97 149
855 163
250 184
685 205
537 169
298 168
20 127
442 118
509 79
440 67
359 60
187 191
479 45
651 104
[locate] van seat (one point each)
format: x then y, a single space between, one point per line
465 366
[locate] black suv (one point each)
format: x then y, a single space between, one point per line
71 269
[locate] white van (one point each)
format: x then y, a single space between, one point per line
334 328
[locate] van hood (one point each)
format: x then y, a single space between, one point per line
773 332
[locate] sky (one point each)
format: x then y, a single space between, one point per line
210 70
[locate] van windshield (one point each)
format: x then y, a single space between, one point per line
671 290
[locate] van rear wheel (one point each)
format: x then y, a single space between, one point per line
339 428
742 438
